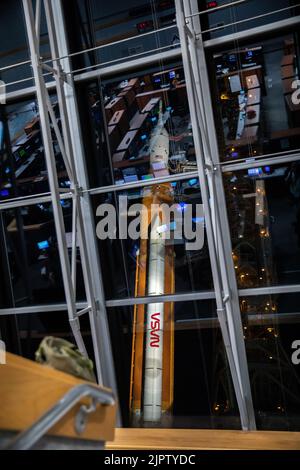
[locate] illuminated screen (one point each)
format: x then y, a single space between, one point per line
43 245
147 177
255 172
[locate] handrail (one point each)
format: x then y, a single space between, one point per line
27 438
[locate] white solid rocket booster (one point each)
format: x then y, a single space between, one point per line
154 328
153 373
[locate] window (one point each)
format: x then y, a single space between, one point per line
263 210
187 266
128 114
30 248
119 31
23 168
218 21
257 95
199 384
270 329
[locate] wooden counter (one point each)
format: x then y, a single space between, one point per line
256 118
252 82
202 439
114 105
287 85
253 96
28 390
138 121
287 71
119 119
287 60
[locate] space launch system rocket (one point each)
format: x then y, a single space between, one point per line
151 393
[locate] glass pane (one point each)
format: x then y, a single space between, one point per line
196 386
13 46
137 47
257 101
134 29
22 163
127 261
230 20
31 252
33 328
263 209
131 113
272 338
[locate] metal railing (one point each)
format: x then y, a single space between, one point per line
28 438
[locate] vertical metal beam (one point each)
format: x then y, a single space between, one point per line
216 221
222 229
69 157
223 238
98 318
38 20
52 173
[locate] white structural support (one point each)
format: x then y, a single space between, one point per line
214 205
98 318
80 228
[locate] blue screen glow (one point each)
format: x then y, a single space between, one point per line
43 245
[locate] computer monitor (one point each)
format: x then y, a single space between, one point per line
20 154
129 175
235 83
249 58
232 58
147 177
193 182
255 172
130 178
43 245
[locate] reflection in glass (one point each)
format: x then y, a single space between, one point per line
271 325
120 32
256 91
33 328
30 247
263 209
236 18
127 114
120 257
22 163
13 45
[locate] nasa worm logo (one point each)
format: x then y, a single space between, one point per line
155 327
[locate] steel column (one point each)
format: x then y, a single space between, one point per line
223 239
90 260
41 92
226 288
98 322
